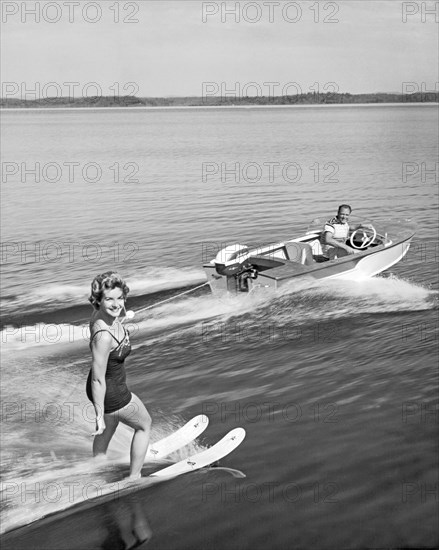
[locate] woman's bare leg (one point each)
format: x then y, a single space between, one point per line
137 417
101 442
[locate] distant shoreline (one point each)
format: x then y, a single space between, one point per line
213 107
302 100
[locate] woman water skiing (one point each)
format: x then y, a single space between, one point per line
106 383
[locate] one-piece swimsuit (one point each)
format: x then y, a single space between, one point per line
117 394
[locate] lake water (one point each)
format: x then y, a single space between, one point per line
335 384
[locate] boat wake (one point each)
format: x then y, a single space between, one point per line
301 301
52 296
374 295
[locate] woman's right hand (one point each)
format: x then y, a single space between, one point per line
100 426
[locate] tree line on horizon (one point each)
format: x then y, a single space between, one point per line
310 98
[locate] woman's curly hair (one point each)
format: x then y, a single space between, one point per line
106 281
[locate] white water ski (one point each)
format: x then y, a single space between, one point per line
178 439
204 458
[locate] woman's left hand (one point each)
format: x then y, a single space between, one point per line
100 426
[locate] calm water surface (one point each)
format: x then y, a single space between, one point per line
335 384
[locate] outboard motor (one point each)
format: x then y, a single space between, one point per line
229 260
243 277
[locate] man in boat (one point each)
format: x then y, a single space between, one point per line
336 233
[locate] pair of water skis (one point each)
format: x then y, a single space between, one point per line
177 440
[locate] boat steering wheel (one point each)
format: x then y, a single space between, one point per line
368 237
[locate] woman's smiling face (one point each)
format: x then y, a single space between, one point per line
112 302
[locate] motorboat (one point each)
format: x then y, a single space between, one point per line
240 268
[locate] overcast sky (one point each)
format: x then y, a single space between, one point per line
170 48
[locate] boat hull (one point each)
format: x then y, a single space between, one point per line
274 271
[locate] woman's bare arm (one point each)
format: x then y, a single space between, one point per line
101 348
